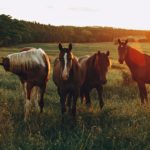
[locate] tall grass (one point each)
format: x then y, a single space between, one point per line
123 124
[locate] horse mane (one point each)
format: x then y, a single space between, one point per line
26 49
26 60
91 60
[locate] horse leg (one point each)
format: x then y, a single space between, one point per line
25 88
24 85
143 92
87 97
37 96
41 102
82 95
69 100
28 102
75 97
63 97
146 95
74 105
100 91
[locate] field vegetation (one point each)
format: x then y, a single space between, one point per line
123 124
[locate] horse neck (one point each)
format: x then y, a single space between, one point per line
92 67
75 65
75 70
132 55
13 61
127 57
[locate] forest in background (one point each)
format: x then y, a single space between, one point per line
13 31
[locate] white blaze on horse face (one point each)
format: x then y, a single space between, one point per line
65 73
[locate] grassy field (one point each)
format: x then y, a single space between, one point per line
123 124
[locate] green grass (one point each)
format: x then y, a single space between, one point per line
123 124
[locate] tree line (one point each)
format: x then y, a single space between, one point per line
13 31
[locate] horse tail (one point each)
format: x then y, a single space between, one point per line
48 66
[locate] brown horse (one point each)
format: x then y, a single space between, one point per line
32 66
94 70
139 65
67 77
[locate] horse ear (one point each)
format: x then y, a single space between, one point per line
98 52
107 53
70 46
126 41
60 46
119 41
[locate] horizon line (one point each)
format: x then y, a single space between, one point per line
67 25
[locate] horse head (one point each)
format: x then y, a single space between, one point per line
5 63
122 50
102 63
65 57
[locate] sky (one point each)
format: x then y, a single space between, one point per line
130 14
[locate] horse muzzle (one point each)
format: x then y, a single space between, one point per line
65 77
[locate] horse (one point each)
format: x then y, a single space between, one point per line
32 66
26 49
94 70
138 64
68 79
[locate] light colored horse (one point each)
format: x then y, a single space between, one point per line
32 66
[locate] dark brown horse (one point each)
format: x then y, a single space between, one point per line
94 70
67 77
33 68
139 65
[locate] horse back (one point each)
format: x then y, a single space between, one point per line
83 61
138 64
56 72
26 49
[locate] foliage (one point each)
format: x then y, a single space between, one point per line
13 31
123 124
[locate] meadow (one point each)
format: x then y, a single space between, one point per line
123 124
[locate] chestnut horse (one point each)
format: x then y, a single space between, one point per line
67 77
94 70
139 65
32 66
